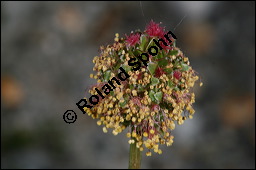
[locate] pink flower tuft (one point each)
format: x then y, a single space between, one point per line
177 74
132 39
136 100
154 30
169 44
155 108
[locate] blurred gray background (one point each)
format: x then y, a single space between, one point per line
46 58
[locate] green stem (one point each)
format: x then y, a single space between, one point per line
134 157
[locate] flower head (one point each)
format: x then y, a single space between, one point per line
152 99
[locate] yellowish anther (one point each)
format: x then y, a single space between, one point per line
180 121
117 37
105 130
145 134
128 91
104 68
110 105
159 151
128 117
148 153
99 122
91 75
172 125
131 141
147 145
128 135
134 92
201 84
151 131
152 113
115 132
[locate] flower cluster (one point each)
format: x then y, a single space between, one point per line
153 99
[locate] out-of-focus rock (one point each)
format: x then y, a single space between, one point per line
12 93
238 111
198 38
70 20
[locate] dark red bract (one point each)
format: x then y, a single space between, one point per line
159 72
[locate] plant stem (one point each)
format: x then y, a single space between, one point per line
134 157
